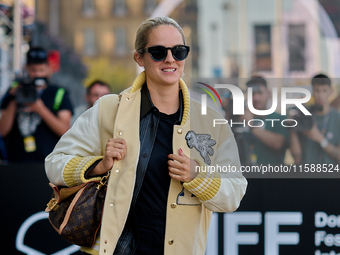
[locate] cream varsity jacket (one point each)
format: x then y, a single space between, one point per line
190 205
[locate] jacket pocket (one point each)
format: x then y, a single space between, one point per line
187 198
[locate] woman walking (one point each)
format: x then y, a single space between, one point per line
154 141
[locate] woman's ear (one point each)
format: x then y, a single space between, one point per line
138 58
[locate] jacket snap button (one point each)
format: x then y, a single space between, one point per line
171 241
111 206
179 131
120 133
173 205
117 170
127 99
105 242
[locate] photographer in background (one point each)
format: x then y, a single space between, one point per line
34 114
269 142
321 143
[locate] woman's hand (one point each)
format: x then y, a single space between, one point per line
182 168
115 150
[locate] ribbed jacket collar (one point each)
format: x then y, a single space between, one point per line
141 79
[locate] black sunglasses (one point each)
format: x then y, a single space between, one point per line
159 53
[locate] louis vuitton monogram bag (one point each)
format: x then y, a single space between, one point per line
76 212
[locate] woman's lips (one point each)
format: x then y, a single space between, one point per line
168 70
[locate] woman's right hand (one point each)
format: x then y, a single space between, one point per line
115 150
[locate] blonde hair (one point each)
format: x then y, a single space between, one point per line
142 36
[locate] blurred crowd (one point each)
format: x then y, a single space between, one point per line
36 113
271 139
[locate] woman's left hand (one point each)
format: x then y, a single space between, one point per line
182 168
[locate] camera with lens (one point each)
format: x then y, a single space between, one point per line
304 122
27 91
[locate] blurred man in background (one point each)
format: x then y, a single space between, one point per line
269 142
96 90
321 142
34 114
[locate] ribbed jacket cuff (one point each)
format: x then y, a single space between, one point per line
74 171
205 185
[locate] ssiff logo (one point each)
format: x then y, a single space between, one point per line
239 106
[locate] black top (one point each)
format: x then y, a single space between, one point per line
152 198
145 227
